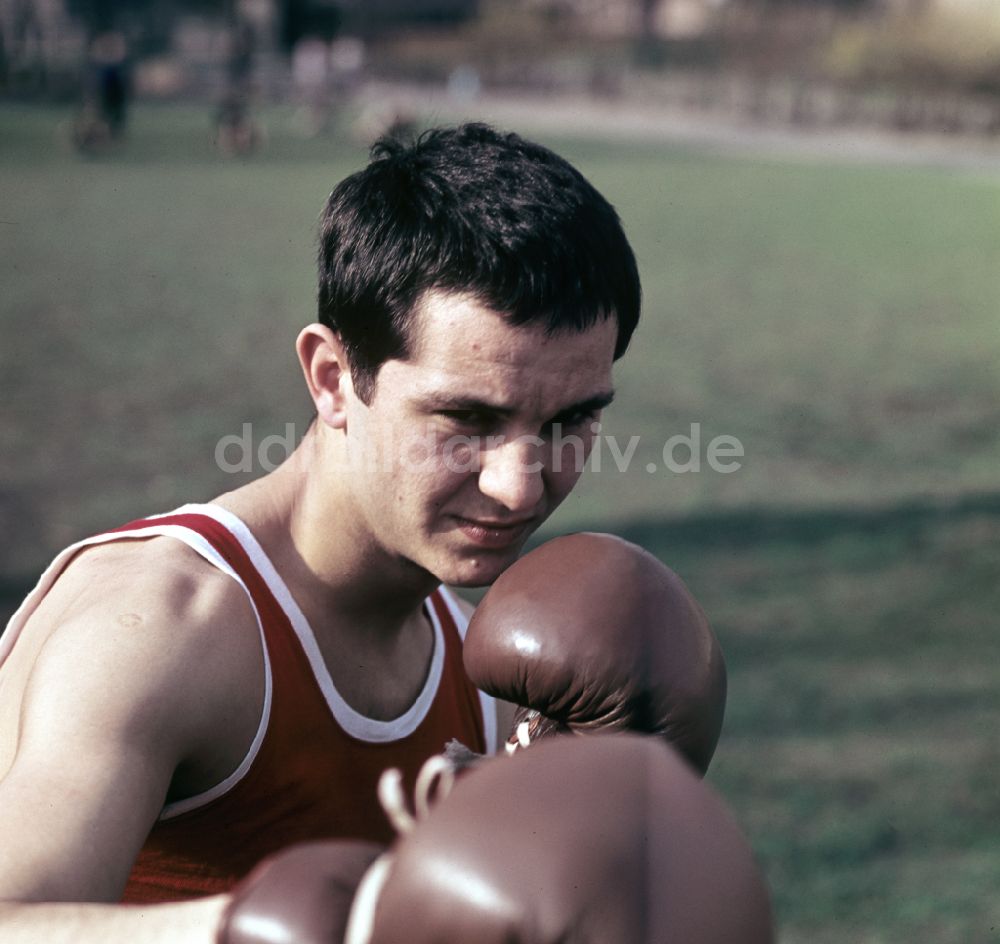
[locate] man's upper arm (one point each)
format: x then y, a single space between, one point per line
112 705
87 780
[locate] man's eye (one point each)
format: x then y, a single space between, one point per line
468 418
572 420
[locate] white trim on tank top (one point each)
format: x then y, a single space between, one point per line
353 722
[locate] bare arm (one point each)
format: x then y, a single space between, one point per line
188 923
113 705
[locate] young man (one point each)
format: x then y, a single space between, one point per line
191 693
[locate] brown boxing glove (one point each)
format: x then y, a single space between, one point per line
589 632
302 895
611 839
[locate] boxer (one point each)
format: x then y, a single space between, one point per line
190 693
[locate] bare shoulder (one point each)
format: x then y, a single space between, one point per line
160 575
159 601
158 592
174 637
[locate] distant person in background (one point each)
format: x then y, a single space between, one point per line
311 77
106 93
235 130
347 66
326 77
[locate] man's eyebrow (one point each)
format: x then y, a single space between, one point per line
470 404
590 405
432 402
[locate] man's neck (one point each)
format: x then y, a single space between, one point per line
331 563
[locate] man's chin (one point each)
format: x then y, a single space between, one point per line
472 583
481 569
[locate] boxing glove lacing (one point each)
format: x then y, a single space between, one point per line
434 783
523 735
437 772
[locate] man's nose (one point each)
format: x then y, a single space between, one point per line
512 474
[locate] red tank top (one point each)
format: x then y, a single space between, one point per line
313 768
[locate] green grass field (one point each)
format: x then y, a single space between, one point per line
841 322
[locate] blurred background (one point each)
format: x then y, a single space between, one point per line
813 190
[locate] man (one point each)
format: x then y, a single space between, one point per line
185 696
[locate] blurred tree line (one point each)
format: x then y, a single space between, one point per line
39 39
902 62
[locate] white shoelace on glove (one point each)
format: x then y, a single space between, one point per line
435 780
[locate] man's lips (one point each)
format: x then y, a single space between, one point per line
494 534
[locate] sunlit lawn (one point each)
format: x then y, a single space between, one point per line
840 322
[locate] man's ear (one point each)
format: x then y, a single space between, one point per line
327 373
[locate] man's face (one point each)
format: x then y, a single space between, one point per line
472 442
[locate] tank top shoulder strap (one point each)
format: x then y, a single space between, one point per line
188 524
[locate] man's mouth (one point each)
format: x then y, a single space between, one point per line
494 534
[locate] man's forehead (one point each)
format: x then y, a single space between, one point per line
546 386
445 320
453 324
460 386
